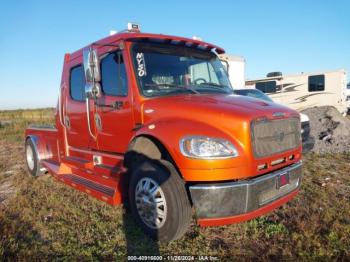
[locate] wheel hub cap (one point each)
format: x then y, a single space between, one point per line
150 203
30 157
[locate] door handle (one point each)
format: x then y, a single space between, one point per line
116 105
67 122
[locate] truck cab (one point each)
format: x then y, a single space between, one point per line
151 120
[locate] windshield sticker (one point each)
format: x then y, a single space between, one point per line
141 67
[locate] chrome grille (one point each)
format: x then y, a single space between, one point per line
275 136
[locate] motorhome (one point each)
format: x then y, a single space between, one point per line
305 90
348 97
298 91
235 66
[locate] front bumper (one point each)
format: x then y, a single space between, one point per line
244 198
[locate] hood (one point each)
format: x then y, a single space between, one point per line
203 107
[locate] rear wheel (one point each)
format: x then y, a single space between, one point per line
158 200
32 158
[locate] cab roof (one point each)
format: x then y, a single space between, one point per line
147 37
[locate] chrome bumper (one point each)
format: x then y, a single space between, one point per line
236 198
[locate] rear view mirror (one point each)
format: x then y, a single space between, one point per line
93 90
225 65
91 65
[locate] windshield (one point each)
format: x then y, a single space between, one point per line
253 93
163 69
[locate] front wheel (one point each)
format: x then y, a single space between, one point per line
158 200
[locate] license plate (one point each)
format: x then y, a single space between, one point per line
282 180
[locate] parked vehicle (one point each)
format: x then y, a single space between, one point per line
151 119
304 119
297 91
305 90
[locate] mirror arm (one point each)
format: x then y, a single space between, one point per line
88 117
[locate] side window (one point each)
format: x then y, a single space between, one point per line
267 86
316 83
114 79
77 87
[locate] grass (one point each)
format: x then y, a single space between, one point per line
17 120
44 219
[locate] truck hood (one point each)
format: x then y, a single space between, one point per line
205 107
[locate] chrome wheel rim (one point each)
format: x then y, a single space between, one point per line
150 203
30 157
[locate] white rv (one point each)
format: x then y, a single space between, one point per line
235 67
348 97
305 90
298 91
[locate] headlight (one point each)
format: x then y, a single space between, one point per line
207 148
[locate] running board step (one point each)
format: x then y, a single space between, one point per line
89 184
105 193
104 187
78 162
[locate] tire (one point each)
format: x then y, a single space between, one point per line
174 209
32 160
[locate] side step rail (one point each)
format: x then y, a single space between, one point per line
107 190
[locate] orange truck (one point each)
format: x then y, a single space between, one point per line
151 120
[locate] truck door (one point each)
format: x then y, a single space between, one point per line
114 117
74 109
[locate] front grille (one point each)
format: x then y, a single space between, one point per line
270 137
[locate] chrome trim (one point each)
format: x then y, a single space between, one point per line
30 157
35 143
87 102
43 128
151 203
278 114
255 121
236 198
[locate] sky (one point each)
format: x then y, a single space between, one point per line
287 36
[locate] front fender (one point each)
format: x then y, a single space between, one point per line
170 131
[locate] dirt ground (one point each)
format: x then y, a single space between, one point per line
42 219
330 131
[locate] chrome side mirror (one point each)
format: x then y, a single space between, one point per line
91 65
93 90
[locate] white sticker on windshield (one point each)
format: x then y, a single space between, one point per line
141 67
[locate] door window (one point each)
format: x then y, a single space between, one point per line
114 79
77 84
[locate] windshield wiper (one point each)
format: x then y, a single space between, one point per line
215 86
173 86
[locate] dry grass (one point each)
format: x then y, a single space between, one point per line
43 219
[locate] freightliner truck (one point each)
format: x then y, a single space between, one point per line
151 120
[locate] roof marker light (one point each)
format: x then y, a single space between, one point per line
197 38
133 27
